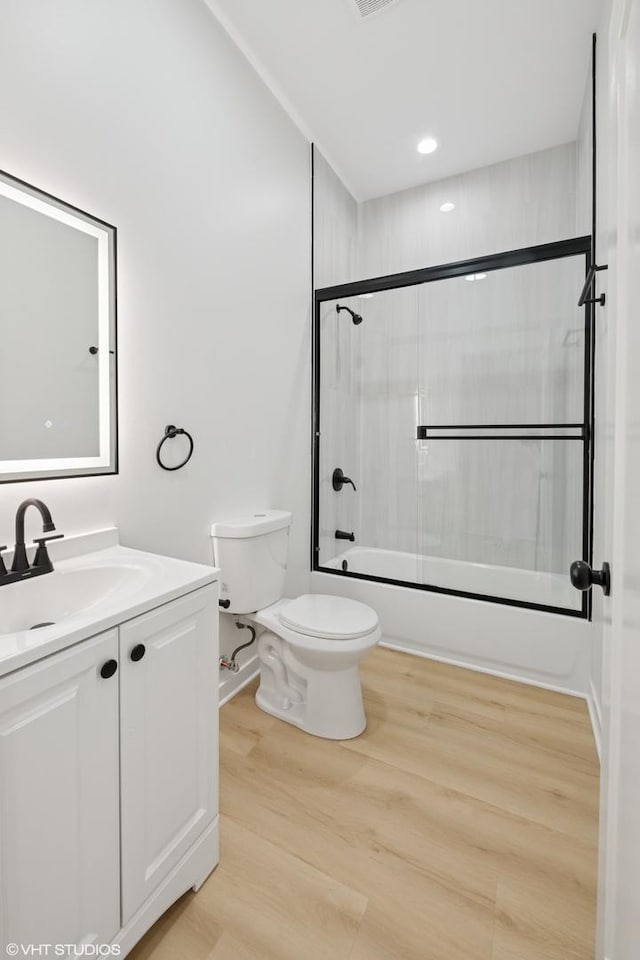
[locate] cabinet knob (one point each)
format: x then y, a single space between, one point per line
138 652
108 669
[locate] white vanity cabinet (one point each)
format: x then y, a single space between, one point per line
168 740
108 778
59 793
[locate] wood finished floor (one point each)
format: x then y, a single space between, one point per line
462 825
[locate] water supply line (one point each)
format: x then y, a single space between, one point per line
229 663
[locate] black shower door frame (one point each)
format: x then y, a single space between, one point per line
579 246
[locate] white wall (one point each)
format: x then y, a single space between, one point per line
145 114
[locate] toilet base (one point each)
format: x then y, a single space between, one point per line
324 703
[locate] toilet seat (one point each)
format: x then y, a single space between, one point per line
332 618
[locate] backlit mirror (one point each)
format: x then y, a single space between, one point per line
58 338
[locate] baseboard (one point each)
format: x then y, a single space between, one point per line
414 651
233 683
595 715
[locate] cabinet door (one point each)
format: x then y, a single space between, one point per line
169 738
59 831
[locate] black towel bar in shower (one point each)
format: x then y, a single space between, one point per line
422 431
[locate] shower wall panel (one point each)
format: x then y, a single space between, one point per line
518 203
335 261
507 348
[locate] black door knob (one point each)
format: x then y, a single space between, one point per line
138 652
583 577
108 669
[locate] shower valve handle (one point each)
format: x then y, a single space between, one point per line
583 577
338 480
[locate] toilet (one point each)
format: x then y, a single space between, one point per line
309 647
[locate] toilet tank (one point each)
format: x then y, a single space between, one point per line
252 555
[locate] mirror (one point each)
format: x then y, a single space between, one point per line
58 334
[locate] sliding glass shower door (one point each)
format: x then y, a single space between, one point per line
460 407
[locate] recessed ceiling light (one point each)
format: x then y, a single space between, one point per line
470 277
365 296
480 276
475 276
447 207
428 145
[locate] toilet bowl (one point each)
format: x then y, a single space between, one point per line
310 650
309 647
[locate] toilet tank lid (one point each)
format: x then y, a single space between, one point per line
255 525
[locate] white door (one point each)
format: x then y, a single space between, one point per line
619 902
59 831
169 738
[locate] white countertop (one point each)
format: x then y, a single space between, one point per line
139 582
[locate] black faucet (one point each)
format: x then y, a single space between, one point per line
21 569
343 535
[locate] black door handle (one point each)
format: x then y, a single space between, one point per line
583 577
138 652
108 669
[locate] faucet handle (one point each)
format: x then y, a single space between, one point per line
42 557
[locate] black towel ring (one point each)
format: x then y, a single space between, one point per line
169 433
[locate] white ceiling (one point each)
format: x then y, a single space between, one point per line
490 79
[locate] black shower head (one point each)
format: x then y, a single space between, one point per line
354 316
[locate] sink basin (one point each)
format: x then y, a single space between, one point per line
96 585
54 597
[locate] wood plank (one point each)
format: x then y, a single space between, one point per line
275 904
461 824
539 919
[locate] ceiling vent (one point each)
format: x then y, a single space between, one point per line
368 7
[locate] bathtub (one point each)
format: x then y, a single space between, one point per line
549 589
546 649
